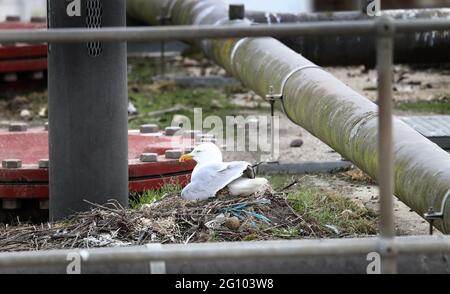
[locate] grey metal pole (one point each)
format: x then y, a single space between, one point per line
319 264
385 49
416 255
187 32
88 123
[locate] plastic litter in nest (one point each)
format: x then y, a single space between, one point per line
169 220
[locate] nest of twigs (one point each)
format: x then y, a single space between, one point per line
169 220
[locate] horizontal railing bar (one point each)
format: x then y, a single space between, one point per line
166 33
236 250
421 25
136 34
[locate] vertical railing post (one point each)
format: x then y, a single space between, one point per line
385 51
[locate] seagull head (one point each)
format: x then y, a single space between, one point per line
204 153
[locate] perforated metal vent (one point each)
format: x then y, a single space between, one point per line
94 15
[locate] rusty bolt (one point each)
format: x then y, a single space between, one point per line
38 75
12 18
11 163
38 19
10 77
173 154
149 129
209 140
18 127
171 131
43 163
44 204
189 149
148 157
201 136
10 204
191 134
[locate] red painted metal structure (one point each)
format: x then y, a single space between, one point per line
31 182
21 60
22 57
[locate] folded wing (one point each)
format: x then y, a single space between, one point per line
211 178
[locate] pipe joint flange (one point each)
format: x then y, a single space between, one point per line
271 96
234 51
385 26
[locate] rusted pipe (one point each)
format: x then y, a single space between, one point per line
319 102
411 48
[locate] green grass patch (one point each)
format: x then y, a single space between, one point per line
159 98
278 182
287 233
184 100
331 210
142 70
438 107
157 102
150 196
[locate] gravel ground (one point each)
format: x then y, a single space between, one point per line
407 222
410 84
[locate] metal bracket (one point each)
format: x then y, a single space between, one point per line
271 98
290 74
168 12
432 215
156 267
163 19
279 96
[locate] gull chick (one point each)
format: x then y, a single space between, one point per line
211 175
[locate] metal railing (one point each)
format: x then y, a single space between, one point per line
388 246
141 34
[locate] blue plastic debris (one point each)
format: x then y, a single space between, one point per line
239 210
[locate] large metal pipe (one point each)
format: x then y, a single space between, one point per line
319 102
411 48
88 123
416 255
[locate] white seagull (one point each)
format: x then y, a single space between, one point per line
211 175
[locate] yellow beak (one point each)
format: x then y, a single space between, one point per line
186 157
